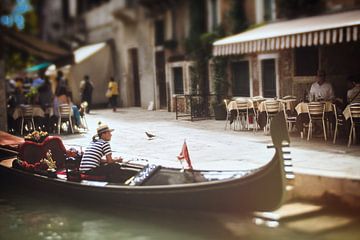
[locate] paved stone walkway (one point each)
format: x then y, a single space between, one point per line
210 146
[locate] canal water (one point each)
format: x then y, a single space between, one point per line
28 216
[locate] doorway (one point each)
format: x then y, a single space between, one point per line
160 77
135 76
268 76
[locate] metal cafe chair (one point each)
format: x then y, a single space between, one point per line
290 120
339 121
242 117
316 111
245 109
228 114
65 116
27 116
272 107
82 115
354 120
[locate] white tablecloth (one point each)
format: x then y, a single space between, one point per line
38 112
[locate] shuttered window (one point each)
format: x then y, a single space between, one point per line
240 79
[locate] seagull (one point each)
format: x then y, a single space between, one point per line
149 135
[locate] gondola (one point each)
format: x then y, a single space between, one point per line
151 186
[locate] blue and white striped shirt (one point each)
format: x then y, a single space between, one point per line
93 154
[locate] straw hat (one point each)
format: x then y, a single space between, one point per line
103 128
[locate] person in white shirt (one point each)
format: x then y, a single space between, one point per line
321 90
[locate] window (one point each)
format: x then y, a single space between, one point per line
306 61
268 10
265 10
240 79
178 80
159 32
214 15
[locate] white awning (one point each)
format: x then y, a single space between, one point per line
84 52
311 31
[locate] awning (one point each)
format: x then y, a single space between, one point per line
38 67
311 31
37 47
84 52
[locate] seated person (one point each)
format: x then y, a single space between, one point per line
353 94
93 163
321 89
64 97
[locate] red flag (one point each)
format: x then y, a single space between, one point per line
184 154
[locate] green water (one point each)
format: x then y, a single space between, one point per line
28 216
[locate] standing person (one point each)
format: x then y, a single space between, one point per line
45 94
113 88
60 82
97 158
86 89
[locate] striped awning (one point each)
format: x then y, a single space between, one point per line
311 31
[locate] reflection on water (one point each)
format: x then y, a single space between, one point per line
26 216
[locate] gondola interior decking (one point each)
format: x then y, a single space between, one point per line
153 186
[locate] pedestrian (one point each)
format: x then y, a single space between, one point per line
86 89
60 82
45 94
97 159
113 92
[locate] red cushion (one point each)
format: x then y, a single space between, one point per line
92 177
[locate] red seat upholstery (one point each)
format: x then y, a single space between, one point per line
92 177
32 152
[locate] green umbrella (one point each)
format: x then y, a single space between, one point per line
38 67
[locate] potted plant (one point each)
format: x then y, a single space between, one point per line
220 87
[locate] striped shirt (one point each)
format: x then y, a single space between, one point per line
93 154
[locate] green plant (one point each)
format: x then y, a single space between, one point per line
221 84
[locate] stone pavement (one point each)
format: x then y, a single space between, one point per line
321 168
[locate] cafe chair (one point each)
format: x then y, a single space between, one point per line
65 116
242 117
290 120
245 111
82 115
272 107
316 111
27 118
339 121
354 120
228 114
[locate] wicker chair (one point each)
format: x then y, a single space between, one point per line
27 117
65 116
355 121
316 112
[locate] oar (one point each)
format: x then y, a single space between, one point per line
8 150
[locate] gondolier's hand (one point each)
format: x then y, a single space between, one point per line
118 159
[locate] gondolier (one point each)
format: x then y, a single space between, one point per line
92 162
